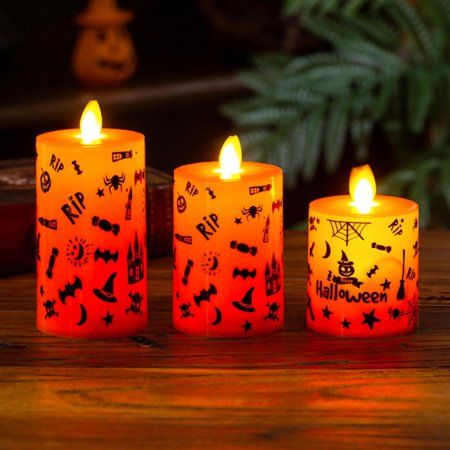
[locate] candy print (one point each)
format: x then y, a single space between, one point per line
229 243
363 283
91 231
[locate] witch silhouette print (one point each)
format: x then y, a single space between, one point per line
368 244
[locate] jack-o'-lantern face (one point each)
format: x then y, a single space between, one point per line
104 55
346 269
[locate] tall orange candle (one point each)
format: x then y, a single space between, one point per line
91 230
228 247
363 262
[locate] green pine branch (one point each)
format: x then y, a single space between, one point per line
388 66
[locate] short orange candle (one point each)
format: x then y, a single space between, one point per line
91 252
363 262
228 247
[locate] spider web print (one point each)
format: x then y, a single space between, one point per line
347 230
412 312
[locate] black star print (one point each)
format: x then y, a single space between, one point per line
108 318
346 323
386 284
326 312
247 326
238 221
370 319
41 290
100 192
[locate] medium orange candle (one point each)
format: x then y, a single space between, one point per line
228 247
363 262
91 252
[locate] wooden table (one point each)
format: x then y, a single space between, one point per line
294 389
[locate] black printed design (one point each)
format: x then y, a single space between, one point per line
273 309
118 156
272 277
401 289
70 289
266 231
252 211
136 303
185 309
346 270
370 319
383 248
181 204
135 261
257 189
347 231
129 204
83 316
51 262
115 182
108 319
49 306
78 251
106 293
46 182
106 255
77 167
187 271
106 225
243 248
52 224
210 263
205 295
244 273
246 303
184 239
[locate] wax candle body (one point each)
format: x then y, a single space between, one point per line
228 251
363 272
91 231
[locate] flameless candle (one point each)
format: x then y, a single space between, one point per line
91 252
363 262
228 246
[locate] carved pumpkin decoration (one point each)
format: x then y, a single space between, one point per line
104 52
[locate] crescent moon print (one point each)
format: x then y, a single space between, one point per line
83 315
218 316
78 251
210 263
328 251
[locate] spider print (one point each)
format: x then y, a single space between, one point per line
114 182
253 211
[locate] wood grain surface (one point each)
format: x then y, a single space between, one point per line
294 389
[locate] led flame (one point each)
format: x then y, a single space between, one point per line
91 123
230 159
362 188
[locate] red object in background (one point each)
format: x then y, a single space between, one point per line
18 206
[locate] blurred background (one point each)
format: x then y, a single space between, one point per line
316 86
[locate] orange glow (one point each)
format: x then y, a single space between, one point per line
91 123
230 159
362 188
